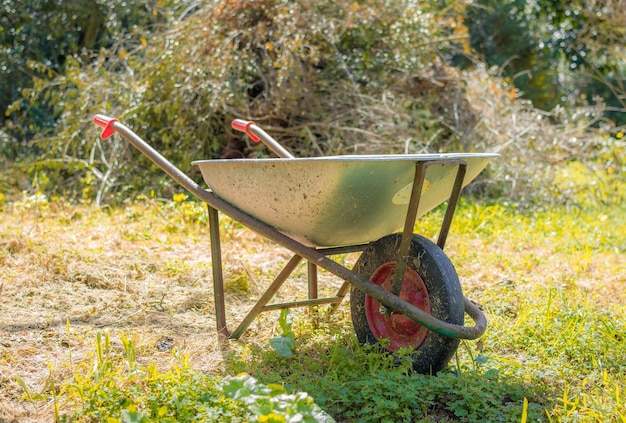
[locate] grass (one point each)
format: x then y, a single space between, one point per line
107 316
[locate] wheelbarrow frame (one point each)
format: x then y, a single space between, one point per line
316 257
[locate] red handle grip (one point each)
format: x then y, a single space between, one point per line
244 126
106 123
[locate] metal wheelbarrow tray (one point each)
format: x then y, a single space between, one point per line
403 288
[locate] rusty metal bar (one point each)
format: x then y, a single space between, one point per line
218 276
342 250
313 292
267 296
409 225
452 202
312 280
302 303
341 294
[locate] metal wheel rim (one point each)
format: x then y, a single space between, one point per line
397 328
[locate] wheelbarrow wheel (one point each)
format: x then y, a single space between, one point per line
430 283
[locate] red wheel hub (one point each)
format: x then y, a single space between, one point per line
397 328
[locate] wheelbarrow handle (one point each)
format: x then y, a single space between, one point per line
257 134
106 123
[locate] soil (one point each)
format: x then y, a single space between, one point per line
67 272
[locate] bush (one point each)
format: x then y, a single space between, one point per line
325 77
330 77
38 37
555 53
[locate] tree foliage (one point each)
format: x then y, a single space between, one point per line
39 38
313 72
556 53
324 77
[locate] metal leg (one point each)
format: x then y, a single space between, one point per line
267 296
409 224
341 294
451 207
313 294
312 271
218 277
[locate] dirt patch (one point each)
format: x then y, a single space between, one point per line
66 273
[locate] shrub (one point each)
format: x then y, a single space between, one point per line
324 77
327 77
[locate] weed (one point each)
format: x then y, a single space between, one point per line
285 343
361 384
272 403
238 282
116 390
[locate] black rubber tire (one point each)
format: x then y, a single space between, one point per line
444 292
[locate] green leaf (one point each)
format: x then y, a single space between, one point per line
283 345
286 324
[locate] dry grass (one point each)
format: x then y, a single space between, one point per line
132 270
145 270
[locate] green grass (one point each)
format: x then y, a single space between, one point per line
551 283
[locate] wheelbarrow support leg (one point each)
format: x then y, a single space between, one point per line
312 279
451 208
218 275
267 296
409 224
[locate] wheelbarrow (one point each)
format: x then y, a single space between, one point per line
404 290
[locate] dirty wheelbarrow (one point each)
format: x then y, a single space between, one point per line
403 288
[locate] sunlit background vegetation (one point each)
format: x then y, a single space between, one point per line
542 83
